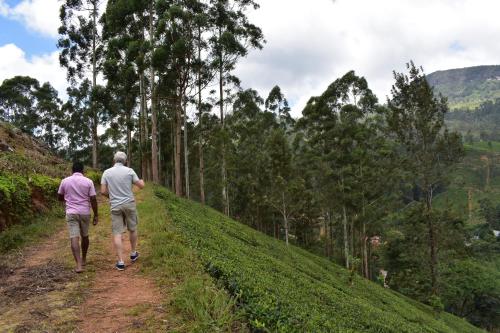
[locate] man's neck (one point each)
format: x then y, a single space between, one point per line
118 164
77 174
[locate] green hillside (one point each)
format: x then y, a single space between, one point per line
467 87
287 289
477 177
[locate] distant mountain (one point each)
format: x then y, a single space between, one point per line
467 87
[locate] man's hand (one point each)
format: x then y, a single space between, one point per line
96 220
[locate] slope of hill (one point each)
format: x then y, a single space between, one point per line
476 178
467 87
287 289
29 177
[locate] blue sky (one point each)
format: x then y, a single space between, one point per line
13 31
309 43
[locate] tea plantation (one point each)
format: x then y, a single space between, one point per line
287 289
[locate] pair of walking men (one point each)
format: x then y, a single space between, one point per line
79 194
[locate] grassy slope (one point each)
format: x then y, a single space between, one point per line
195 302
288 289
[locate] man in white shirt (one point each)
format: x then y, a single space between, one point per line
116 183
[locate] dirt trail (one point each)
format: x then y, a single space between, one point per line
121 301
39 292
34 285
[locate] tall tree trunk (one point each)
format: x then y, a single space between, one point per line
142 126
225 194
129 139
351 228
200 126
186 151
95 138
172 159
365 252
346 241
285 217
488 173
178 148
154 137
432 241
154 119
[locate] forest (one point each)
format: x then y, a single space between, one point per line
355 179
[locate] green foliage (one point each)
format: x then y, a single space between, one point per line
471 289
17 193
94 175
436 303
286 289
47 185
15 199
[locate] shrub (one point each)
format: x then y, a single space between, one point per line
16 194
94 175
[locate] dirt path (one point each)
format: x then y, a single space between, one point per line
121 301
35 287
39 292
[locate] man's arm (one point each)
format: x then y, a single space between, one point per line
104 190
140 184
60 192
136 181
93 203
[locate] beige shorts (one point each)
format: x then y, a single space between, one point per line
124 216
78 225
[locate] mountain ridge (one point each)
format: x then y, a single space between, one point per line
467 87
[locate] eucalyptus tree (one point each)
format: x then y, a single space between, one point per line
334 123
247 159
173 59
81 51
205 73
130 25
415 117
49 108
123 83
18 103
77 108
232 37
278 104
33 108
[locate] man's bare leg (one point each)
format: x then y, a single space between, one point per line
85 248
133 240
75 248
117 240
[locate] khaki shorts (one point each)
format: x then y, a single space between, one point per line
78 225
124 216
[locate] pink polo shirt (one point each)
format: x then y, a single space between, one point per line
77 191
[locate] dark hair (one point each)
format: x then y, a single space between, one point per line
77 167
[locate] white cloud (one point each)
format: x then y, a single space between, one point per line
312 43
44 68
41 16
4 9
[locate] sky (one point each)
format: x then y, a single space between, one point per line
309 43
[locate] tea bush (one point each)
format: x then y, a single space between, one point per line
16 194
287 289
94 175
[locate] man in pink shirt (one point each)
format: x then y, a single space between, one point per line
79 194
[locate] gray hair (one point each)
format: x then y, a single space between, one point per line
120 157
